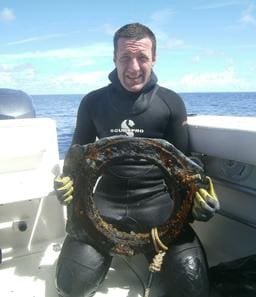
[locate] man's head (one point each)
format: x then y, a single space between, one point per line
134 55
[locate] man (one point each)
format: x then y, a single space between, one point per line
132 195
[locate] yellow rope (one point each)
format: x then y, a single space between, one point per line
157 261
158 244
160 249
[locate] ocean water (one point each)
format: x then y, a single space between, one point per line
63 109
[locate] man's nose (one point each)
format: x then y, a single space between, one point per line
134 64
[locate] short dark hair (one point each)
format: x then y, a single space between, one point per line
135 31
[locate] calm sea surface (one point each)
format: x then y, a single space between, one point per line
63 109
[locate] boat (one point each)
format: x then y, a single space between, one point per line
32 222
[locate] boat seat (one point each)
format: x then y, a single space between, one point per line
28 154
29 210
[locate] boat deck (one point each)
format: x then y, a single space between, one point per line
33 275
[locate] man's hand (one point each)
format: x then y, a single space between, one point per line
63 186
206 203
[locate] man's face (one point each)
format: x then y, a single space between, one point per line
134 62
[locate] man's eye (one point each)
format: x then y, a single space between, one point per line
143 59
124 59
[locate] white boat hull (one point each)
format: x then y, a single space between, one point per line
32 221
227 147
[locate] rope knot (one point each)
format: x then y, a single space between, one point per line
157 262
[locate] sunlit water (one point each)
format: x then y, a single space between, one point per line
63 109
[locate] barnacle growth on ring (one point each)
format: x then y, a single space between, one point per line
86 163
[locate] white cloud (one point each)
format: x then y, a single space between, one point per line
7 15
164 41
73 82
210 80
33 71
226 80
216 4
206 54
73 78
27 78
109 29
15 76
248 18
196 59
161 16
39 38
96 50
173 43
106 29
14 68
213 53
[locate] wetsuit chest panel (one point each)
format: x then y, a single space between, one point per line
145 117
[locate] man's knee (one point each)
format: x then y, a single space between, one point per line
185 269
80 269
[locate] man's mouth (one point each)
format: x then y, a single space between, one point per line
135 79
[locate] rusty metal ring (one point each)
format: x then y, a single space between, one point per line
86 163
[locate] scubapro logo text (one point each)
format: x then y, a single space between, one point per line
127 127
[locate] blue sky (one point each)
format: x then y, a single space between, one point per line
65 47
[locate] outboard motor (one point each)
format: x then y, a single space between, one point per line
15 104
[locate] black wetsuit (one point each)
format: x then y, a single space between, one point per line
132 195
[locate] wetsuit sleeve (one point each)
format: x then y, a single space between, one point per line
85 131
177 128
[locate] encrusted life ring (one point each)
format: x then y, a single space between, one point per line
86 163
